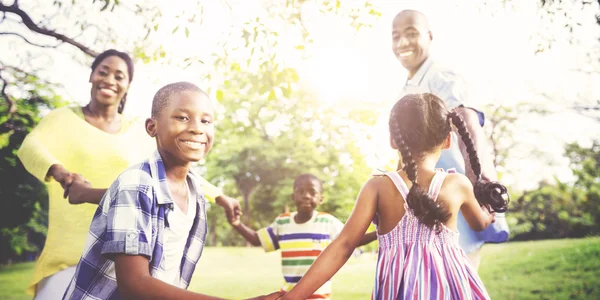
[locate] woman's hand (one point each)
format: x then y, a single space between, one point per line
66 178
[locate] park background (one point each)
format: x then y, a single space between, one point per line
306 86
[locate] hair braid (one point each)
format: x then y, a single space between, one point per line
489 194
428 211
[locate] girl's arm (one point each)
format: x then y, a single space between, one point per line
367 238
476 216
338 252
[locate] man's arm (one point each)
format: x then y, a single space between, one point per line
454 91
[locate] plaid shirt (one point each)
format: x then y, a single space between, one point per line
131 219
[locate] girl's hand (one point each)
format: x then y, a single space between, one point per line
491 215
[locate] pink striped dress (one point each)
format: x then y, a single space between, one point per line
416 262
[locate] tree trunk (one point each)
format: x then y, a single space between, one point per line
247 211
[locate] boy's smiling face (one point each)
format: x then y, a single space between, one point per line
307 195
184 129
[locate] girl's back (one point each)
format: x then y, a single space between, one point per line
419 256
417 261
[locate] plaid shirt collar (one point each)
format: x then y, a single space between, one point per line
115 229
159 174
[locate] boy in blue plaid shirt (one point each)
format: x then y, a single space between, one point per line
149 229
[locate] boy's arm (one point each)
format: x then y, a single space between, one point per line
338 252
134 281
82 192
230 205
367 238
248 233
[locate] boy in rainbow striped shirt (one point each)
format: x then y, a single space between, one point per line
301 235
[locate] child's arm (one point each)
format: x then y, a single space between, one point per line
338 252
477 217
230 205
367 238
248 233
134 281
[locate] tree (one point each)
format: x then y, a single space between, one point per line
22 195
560 210
42 29
585 163
26 93
567 23
502 122
273 131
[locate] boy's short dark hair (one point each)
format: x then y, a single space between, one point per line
308 176
161 98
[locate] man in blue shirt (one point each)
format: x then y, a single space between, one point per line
411 38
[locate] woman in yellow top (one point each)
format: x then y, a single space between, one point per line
94 141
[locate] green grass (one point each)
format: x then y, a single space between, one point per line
556 269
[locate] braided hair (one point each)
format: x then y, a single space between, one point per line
419 123
488 193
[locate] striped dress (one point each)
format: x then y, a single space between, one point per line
416 262
300 246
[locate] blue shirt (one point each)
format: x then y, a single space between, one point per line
131 219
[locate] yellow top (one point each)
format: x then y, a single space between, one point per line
64 137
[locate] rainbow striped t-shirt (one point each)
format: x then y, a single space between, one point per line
300 245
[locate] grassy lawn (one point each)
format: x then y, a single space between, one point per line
556 269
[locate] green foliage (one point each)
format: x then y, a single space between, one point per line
273 86
558 210
501 124
23 216
270 131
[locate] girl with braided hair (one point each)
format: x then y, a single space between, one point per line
415 209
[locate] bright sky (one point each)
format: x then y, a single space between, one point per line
494 53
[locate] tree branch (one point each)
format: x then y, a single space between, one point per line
29 42
12 105
27 21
